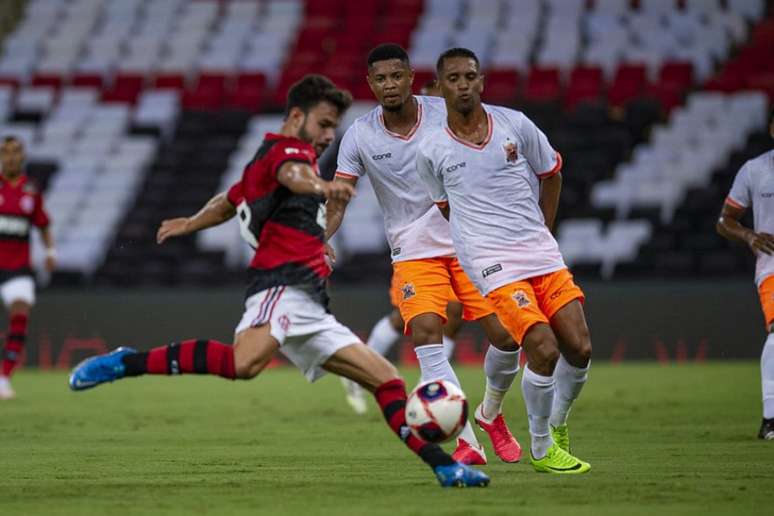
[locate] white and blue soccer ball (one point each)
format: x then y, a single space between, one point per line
436 411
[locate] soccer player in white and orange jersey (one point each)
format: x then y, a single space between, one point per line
496 178
754 188
382 144
21 208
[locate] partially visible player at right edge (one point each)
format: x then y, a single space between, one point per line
752 189
494 175
280 204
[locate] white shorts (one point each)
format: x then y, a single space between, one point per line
20 288
308 335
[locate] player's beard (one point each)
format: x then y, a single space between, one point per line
394 108
304 135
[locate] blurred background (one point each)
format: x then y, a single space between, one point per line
133 111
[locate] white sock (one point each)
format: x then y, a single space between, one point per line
448 347
434 365
383 336
767 377
538 394
569 382
501 367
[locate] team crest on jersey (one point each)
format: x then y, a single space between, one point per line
408 291
511 151
521 298
27 204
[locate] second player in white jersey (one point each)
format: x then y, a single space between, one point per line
415 229
754 188
495 189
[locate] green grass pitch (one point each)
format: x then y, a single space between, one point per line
661 440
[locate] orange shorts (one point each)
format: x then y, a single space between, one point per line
521 304
766 293
428 285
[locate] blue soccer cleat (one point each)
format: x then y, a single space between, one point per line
460 475
100 369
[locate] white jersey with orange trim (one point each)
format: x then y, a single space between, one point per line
414 226
754 187
493 191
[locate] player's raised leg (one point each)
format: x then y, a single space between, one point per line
361 364
251 353
572 367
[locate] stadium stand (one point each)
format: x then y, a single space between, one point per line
136 110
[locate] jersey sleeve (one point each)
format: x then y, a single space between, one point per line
740 195
543 159
431 176
234 194
349 163
291 150
39 214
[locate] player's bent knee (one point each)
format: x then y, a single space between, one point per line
542 350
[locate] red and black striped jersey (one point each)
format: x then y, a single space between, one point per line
21 207
287 230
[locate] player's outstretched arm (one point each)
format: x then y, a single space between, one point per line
729 227
550 190
335 208
217 211
301 178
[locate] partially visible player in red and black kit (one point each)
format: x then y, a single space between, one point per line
21 207
280 204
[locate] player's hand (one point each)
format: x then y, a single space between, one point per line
330 255
50 263
761 242
171 228
338 191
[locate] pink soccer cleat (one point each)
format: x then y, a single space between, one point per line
505 445
467 454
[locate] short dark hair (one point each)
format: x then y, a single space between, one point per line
387 51
455 52
11 138
313 89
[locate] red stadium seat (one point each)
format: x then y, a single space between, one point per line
679 74
10 81
543 85
422 77
585 84
87 80
169 81
629 83
247 97
204 97
126 88
54 81
501 86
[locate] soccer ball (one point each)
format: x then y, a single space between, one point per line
436 411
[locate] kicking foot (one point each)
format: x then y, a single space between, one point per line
559 462
460 475
100 369
355 396
6 391
767 430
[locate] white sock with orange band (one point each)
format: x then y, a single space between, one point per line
767 377
569 383
383 336
434 365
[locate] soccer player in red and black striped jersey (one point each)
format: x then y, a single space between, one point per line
280 204
21 208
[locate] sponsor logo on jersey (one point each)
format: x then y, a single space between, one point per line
555 295
27 204
408 291
767 195
14 226
511 151
377 157
284 323
521 298
491 270
396 251
292 150
456 166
